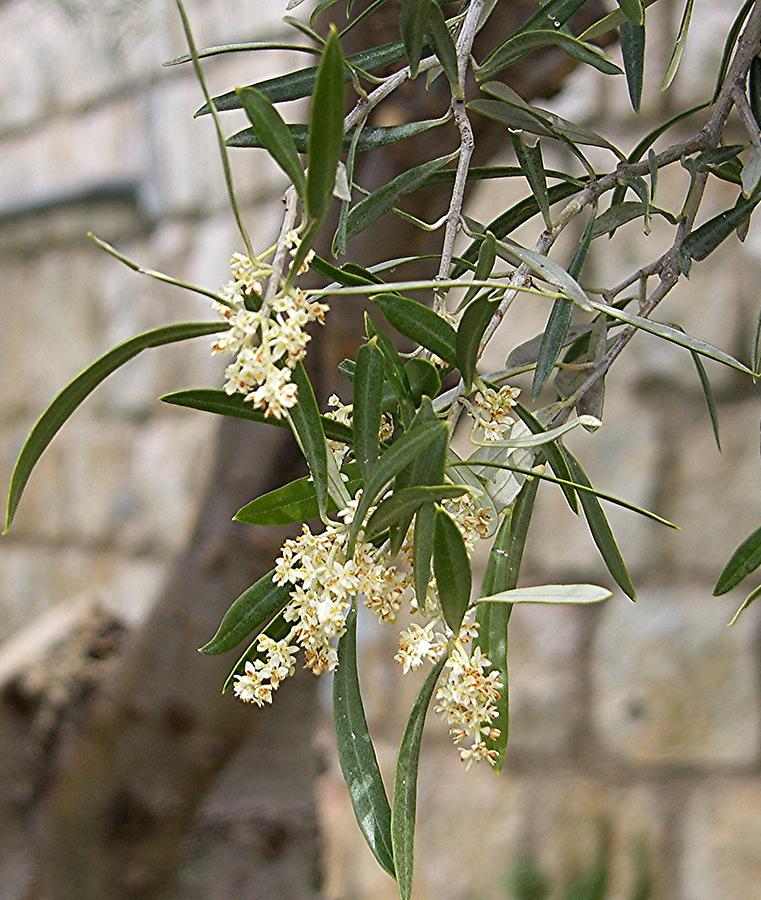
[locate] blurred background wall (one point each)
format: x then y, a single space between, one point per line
640 722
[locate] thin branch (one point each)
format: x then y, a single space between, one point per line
467 142
278 263
748 47
153 273
746 114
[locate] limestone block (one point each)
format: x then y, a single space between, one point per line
722 855
169 470
621 459
37 577
185 173
470 826
672 685
544 679
715 497
101 144
568 813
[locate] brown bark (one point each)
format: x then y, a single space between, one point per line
130 779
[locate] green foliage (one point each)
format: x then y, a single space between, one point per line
385 482
356 753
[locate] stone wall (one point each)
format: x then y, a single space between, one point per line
645 717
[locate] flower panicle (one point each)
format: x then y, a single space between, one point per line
267 339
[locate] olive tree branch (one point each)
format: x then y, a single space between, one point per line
668 266
467 142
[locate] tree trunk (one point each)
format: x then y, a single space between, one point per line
131 777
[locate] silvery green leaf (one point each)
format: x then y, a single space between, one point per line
552 593
544 437
751 174
341 190
547 269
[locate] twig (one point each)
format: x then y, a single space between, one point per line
467 143
746 114
278 263
153 273
748 47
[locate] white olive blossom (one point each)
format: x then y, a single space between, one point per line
492 411
268 340
467 701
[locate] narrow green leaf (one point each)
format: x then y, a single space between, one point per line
555 337
751 172
548 124
754 89
601 531
294 502
702 348
523 511
541 438
215 400
425 470
307 428
487 255
513 218
681 42
408 500
274 134
526 354
372 136
592 402
356 753
278 629
368 394
752 596
547 269
241 47
249 613
395 372
745 559
51 421
404 807
556 333
556 11
379 202
633 10
520 45
424 378
535 121
420 324
633 52
443 46
705 384
553 453
530 160
325 128
451 566
413 16
470 330
393 460
551 593
583 488
609 22
621 213
300 83
492 638
729 46
422 551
